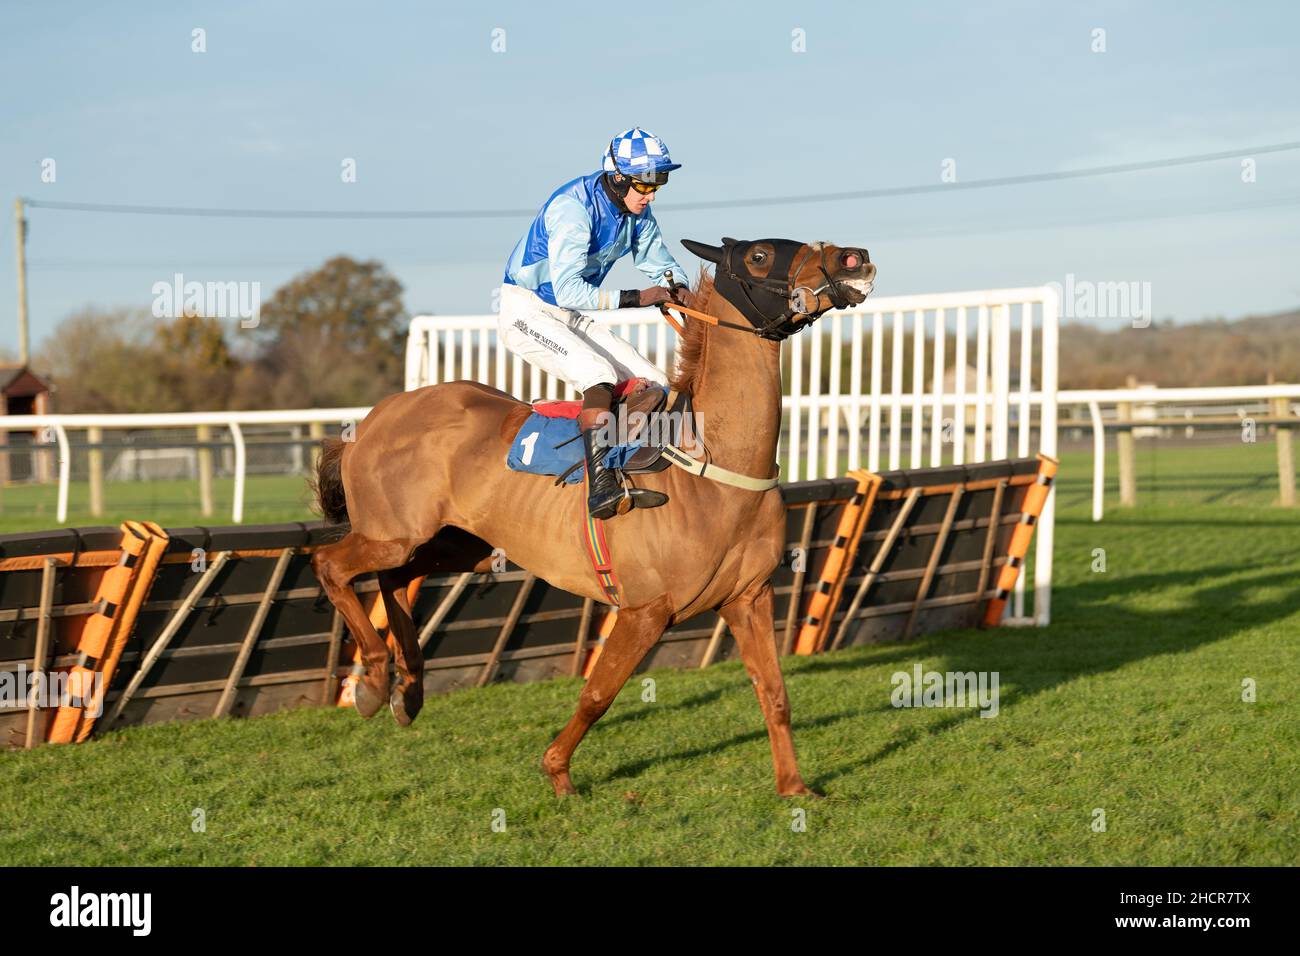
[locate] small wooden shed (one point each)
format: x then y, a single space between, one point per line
24 393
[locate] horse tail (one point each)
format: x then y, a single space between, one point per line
328 485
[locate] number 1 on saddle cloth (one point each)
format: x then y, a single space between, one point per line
547 442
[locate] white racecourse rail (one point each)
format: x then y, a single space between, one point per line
906 382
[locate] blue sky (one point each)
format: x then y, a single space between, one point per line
436 120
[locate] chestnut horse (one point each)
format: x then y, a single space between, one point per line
425 488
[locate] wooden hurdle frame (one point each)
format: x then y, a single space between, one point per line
199 623
908 490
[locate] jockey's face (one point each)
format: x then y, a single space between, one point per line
636 202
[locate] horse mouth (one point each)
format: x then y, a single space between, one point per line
860 286
858 289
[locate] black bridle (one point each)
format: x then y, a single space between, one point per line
800 301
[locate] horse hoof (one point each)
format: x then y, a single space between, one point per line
366 701
406 707
559 779
802 790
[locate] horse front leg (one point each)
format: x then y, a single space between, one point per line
750 620
635 632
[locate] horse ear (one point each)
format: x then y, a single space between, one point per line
704 250
728 241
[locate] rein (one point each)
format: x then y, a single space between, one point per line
702 316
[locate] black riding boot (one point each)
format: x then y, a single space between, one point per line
604 490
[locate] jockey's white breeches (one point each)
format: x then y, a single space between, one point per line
567 344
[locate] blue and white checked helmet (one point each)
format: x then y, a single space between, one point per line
638 154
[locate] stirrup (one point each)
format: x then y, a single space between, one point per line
629 497
642 497
609 507
638 497
648 498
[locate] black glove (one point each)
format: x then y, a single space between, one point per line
634 298
654 295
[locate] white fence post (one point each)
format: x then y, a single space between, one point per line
1047 442
241 465
65 470
1098 460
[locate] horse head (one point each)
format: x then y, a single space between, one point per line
780 285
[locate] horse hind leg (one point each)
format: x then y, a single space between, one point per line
336 566
450 550
407 694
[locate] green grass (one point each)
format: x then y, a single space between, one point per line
1195 476
174 503
1130 702
1226 474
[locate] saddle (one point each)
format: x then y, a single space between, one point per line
651 417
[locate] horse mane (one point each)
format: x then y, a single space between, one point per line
690 346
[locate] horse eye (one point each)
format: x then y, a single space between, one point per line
758 256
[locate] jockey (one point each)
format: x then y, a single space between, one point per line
557 268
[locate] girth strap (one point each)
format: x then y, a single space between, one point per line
718 473
601 560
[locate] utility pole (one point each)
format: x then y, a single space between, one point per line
20 222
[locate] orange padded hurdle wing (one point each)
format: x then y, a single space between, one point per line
1035 498
121 592
821 606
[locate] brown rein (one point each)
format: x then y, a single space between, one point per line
702 316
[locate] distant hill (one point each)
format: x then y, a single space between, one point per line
1212 352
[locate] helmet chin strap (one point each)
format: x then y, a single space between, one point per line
617 193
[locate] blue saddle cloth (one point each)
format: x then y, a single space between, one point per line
551 446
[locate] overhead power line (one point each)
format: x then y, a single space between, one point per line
986 228
993 182
880 233
880 193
